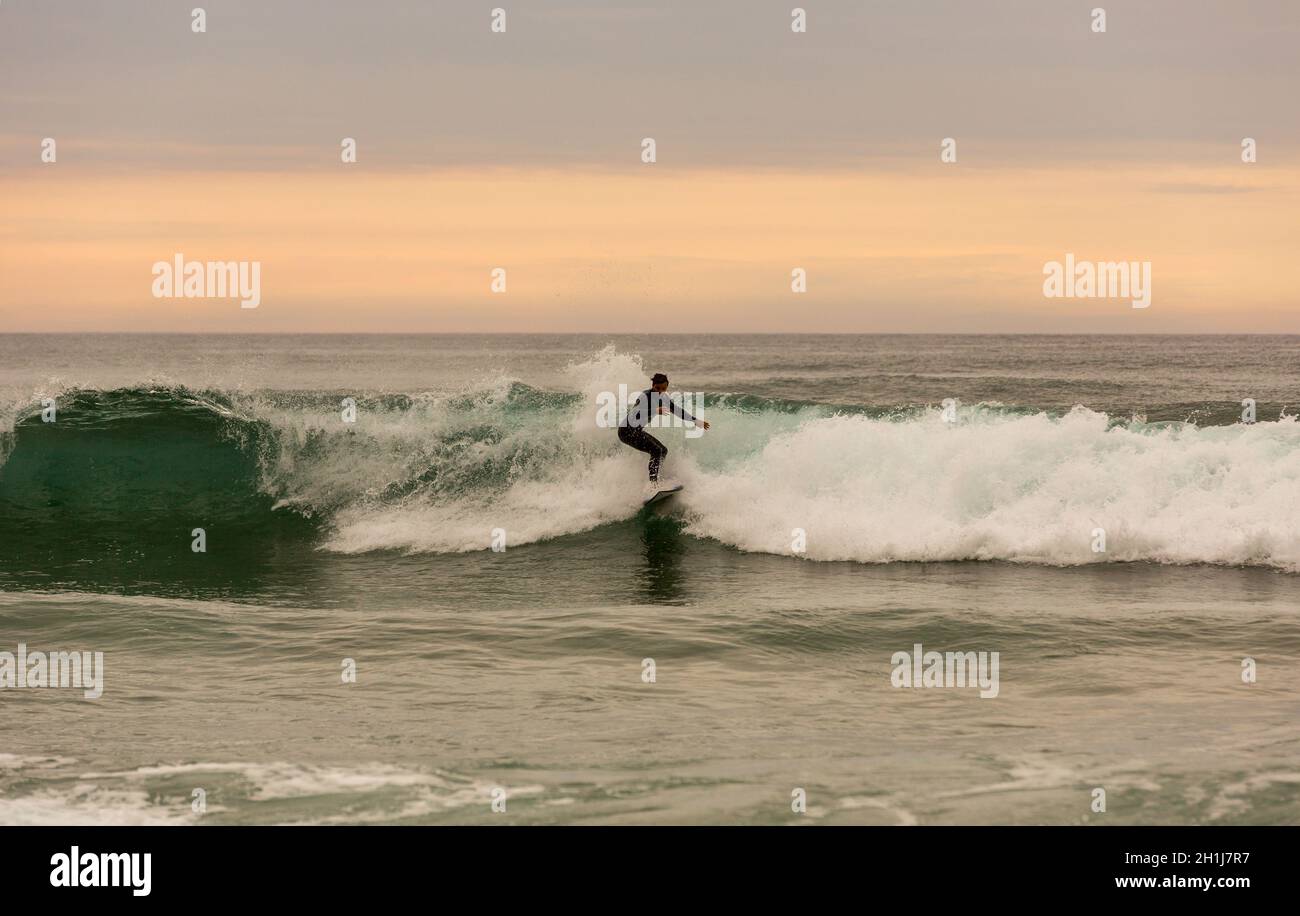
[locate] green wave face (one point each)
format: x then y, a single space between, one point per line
110 493
108 496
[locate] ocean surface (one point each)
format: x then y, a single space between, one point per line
1092 509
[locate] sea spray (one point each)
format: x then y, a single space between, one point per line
1014 487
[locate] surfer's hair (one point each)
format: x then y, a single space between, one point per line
658 379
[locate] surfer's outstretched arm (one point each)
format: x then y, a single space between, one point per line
679 411
676 410
671 406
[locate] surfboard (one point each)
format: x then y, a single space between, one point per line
662 495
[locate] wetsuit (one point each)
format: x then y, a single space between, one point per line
631 431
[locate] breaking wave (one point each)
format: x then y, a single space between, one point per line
424 473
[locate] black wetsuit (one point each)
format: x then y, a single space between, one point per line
641 411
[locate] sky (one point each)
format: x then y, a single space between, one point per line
775 151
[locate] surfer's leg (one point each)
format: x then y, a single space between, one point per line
657 452
642 441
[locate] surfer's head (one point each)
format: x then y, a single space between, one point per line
659 382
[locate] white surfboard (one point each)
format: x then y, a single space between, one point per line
663 494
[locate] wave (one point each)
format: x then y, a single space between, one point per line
423 473
51 790
1064 490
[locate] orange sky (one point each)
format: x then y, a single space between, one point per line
909 247
777 148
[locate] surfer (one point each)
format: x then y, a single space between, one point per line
642 409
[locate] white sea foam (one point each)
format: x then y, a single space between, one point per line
369 791
538 474
89 804
995 485
1021 488
26 762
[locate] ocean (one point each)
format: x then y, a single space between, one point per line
342 643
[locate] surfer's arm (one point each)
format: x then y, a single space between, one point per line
675 408
668 406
